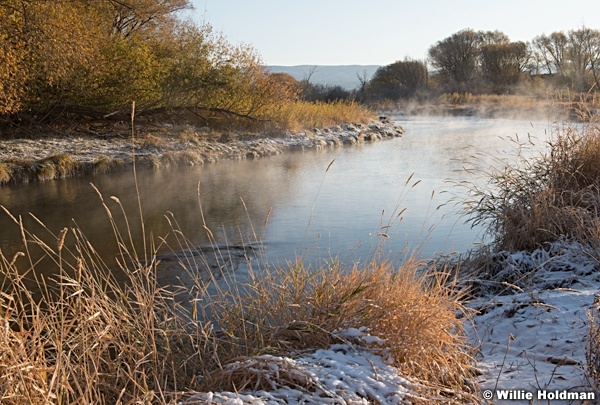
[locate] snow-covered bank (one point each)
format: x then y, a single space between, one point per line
530 328
354 372
23 159
531 324
343 374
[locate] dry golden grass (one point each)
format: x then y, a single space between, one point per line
556 104
105 164
70 333
305 115
503 101
19 170
523 106
583 107
149 140
5 173
592 353
189 135
296 308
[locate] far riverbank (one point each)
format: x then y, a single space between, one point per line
54 157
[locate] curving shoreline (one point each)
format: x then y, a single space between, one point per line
24 160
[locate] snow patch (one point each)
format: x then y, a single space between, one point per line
534 337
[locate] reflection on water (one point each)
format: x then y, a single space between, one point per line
347 211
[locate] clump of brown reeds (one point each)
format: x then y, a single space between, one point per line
105 164
296 308
71 333
546 197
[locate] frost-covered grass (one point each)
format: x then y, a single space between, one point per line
344 372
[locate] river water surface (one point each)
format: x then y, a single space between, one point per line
342 202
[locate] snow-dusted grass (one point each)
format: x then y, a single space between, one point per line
343 373
293 309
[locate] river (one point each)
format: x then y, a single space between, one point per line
332 203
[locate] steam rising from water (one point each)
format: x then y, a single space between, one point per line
392 195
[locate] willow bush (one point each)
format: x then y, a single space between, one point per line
91 59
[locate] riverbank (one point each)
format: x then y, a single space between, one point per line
53 157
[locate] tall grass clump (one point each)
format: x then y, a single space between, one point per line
297 308
72 331
56 166
592 353
539 199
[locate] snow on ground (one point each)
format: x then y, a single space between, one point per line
534 338
343 374
531 327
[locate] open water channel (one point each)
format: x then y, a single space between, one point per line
333 203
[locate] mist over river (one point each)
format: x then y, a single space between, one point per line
320 204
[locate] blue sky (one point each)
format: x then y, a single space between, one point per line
380 32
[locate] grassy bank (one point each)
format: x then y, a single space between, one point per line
300 115
70 333
59 166
75 148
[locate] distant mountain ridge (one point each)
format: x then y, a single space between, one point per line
345 76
